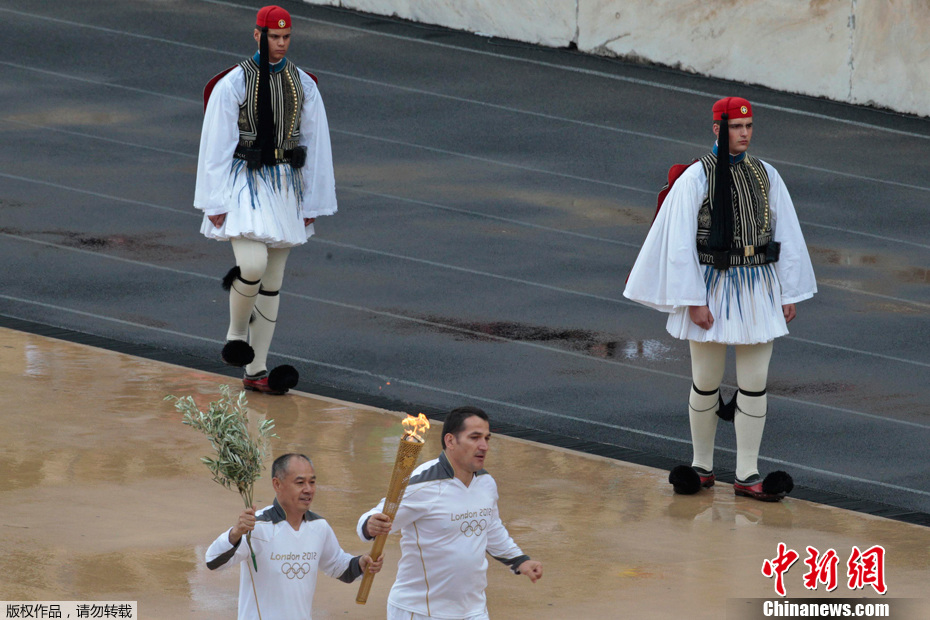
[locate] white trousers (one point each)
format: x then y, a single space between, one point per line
396 613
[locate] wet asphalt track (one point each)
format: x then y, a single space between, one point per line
493 197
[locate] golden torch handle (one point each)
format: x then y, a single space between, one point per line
407 453
369 578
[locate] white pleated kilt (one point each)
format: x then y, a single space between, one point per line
746 305
264 205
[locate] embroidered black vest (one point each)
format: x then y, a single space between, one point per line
752 226
287 99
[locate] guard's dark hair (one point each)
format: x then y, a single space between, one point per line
280 465
455 421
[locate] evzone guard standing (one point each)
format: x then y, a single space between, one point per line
264 174
726 259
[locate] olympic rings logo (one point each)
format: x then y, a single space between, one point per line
295 570
473 527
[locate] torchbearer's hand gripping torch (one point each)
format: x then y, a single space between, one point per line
407 452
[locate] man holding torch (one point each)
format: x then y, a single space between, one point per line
448 520
291 544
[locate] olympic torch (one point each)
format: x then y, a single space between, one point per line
407 452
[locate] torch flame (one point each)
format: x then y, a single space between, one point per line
415 427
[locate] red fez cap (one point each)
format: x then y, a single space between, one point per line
273 17
733 107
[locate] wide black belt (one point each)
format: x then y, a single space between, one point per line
721 258
296 157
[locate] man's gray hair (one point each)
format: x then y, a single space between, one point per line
280 465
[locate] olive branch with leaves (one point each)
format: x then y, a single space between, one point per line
240 453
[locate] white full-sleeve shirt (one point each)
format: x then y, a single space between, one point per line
447 530
667 275
220 135
288 562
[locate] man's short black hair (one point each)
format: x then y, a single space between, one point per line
279 467
455 421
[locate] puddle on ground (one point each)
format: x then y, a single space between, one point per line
593 343
141 247
115 504
816 388
889 267
72 116
145 246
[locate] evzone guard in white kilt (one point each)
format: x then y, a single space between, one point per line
264 174
726 259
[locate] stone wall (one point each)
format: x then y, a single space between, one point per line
870 52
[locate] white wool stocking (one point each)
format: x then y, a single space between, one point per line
251 258
262 330
752 368
707 365
749 423
702 413
241 300
265 313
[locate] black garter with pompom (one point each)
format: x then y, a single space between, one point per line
230 277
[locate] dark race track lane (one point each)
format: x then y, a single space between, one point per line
492 200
